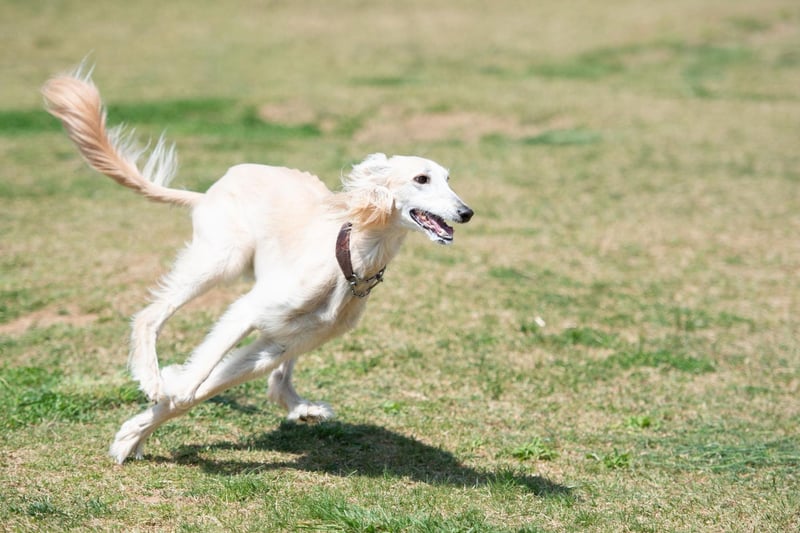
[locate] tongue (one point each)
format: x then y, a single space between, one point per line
439 226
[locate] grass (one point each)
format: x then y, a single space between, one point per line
610 345
536 449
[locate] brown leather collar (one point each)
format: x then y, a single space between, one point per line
343 258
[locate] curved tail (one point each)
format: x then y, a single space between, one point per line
75 100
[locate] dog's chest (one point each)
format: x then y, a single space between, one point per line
339 316
308 323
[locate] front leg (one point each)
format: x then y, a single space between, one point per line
282 392
181 382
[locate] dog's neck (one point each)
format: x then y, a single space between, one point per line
377 248
368 251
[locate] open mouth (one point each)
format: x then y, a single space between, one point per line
434 225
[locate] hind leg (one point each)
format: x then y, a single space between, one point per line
243 364
282 392
198 268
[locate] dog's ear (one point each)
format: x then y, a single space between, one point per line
373 166
371 207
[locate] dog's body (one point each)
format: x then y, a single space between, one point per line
281 225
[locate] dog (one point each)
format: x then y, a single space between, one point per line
315 256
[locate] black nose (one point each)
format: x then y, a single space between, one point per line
466 214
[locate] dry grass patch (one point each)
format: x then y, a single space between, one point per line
391 123
611 343
69 315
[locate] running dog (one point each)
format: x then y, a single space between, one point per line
315 256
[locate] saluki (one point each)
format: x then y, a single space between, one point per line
315 256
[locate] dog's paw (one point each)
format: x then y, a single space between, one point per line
128 441
311 412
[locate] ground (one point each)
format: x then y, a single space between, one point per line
611 344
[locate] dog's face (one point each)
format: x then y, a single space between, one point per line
419 192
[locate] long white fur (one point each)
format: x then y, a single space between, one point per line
277 223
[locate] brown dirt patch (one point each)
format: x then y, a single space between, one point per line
49 316
392 124
294 113
288 112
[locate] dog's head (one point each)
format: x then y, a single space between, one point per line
410 191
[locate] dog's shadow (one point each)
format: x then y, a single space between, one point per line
346 449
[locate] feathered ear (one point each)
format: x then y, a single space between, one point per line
370 207
370 170
376 163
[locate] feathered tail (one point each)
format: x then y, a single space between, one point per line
75 100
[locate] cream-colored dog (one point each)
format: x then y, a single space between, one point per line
315 255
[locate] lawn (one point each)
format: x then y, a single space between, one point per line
611 344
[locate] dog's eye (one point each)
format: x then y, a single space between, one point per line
422 179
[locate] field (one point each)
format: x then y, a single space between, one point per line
612 344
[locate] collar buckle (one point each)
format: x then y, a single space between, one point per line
371 282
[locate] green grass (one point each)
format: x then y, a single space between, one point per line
18 301
33 395
536 449
564 138
611 344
